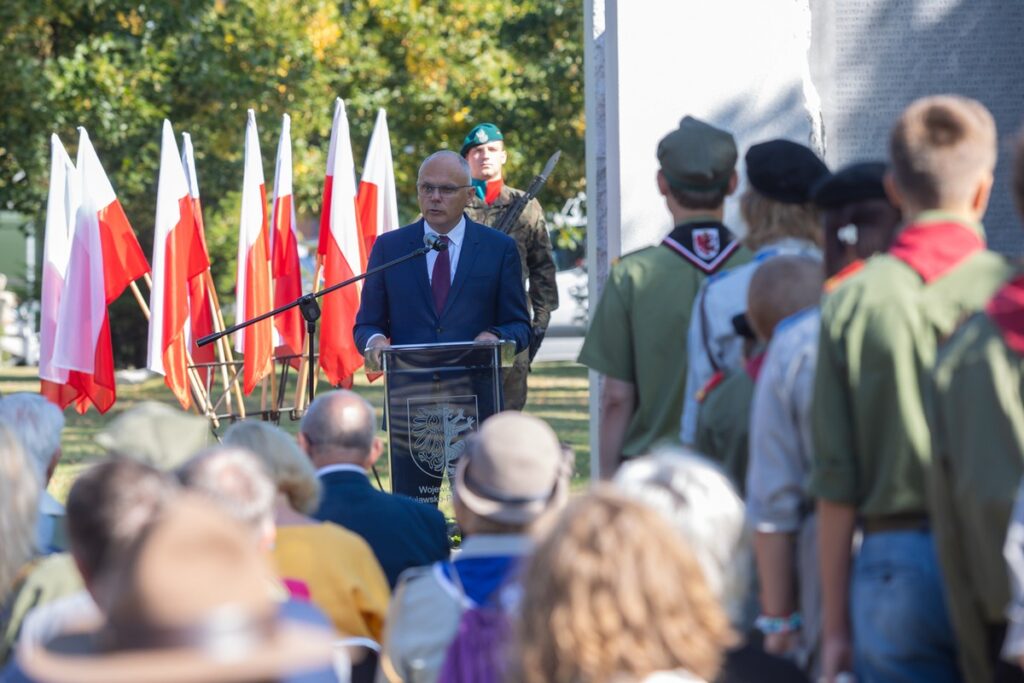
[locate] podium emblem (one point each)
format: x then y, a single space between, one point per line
438 430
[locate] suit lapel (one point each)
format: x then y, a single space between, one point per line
467 255
420 266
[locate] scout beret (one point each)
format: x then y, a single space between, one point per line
853 183
697 156
480 135
784 170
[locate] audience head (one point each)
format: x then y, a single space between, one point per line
697 166
777 202
340 428
705 510
193 605
19 498
512 472
156 434
858 217
280 455
612 593
780 287
233 478
943 154
109 505
38 423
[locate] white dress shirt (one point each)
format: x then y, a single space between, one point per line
340 467
455 236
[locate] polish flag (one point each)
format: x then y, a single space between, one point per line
340 245
105 258
200 296
252 296
173 235
284 249
61 206
377 203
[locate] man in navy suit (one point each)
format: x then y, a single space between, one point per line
472 290
339 433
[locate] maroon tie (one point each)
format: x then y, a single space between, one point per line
441 278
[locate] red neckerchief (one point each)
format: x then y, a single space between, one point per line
844 273
1006 309
493 190
933 249
754 364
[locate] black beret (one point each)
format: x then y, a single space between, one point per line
784 170
853 183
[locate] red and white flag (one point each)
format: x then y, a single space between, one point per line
105 258
284 249
61 207
377 203
252 296
340 247
200 296
173 235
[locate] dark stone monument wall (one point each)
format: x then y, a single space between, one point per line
870 58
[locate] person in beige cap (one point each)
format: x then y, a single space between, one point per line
637 334
192 606
513 473
156 434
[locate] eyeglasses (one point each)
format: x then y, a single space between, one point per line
445 190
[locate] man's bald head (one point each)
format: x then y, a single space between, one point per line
782 286
339 427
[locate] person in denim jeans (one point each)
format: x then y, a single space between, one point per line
880 331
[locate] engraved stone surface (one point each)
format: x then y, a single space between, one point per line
870 58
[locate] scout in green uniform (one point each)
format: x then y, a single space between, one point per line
484 149
977 422
779 288
872 448
637 335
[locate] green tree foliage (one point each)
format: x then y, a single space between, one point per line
438 67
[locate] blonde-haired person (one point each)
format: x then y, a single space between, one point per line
19 497
781 220
337 567
695 495
613 595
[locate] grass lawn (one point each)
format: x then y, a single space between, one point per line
558 394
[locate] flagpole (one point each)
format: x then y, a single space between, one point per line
202 399
226 350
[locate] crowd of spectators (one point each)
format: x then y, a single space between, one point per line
823 489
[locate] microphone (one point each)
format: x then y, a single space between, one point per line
434 242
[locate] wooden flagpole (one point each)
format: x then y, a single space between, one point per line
202 399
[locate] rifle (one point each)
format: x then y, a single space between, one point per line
515 209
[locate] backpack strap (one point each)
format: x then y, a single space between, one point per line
451 582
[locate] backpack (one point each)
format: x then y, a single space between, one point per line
477 653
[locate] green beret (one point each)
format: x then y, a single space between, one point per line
784 170
481 135
697 156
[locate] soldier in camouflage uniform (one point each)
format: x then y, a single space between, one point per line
484 149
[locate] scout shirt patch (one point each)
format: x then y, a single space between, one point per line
844 273
705 245
933 249
1006 309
